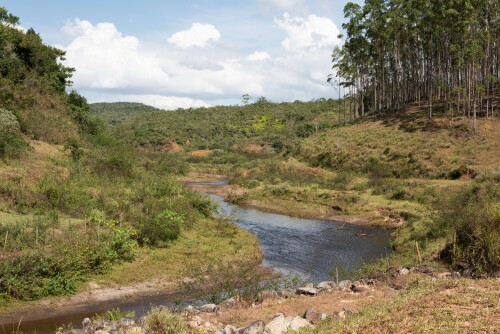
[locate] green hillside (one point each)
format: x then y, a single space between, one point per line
278 126
77 204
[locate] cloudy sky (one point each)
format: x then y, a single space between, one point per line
191 53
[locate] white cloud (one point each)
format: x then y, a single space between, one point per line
308 34
21 28
198 35
106 59
115 67
259 56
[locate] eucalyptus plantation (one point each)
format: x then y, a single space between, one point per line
438 53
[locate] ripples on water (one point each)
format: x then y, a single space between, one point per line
307 246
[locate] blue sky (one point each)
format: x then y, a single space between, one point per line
191 53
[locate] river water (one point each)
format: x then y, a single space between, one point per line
310 248
305 247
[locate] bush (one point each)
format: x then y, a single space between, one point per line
473 216
161 321
11 142
164 228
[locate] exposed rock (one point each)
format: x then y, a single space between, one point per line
326 285
344 285
369 281
309 285
403 272
105 325
208 308
256 327
298 323
87 326
229 329
125 322
286 293
277 325
230 303
307 291
312 316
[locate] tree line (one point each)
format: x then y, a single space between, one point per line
438 53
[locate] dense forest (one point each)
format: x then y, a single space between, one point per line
444 54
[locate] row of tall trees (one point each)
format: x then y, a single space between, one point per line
435 52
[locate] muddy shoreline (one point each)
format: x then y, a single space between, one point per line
93 300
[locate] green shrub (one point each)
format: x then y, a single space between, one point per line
203 204
473 216
161 321
165 227
115 315
11 142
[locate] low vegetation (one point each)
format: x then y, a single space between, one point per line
77 204
427 306
162 321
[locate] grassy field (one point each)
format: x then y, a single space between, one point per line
207 240
428 306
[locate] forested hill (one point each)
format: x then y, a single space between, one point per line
278 126
33 94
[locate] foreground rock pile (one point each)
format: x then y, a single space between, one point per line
279 323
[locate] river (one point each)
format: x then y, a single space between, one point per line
305 247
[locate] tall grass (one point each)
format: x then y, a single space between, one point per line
471 220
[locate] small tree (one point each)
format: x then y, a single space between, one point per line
245 98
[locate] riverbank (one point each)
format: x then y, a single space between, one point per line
417 299
153 273
409 303
384 216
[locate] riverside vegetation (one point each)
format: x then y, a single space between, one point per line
78 204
